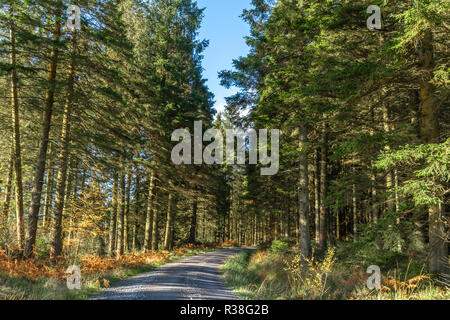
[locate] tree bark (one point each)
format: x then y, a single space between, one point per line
36 192
127 214
354 205
390 204
8 188
305 242
430 133
137 207
168 239
121 213
148 236
113 218
155 231
48 206
193 227
16 133
323 229
316 195
57 244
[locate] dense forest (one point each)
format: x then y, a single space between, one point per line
87 115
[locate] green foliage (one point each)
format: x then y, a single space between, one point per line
430 165
389 243
280 246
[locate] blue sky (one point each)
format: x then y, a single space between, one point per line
225 30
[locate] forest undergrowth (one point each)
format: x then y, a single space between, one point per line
276 273
40 279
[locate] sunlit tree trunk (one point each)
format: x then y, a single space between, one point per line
316 195
113 218
48 203
168 238
354 204
155 231
137 207
56 248
193 227
8 189
305 242
373 179
121 213
430 133
323 229
36 192
390 204
16 132
149 214
127 214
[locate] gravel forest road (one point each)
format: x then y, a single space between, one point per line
193 278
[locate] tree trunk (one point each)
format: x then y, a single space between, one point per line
316 195
7 201
127 214
148 236
168 239
193 222
354 205
155 231
430 133
323 189
48 206
121 213
113 218
56 248
137 208
390 205
36 192
16 133
305 244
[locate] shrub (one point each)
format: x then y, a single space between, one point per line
310 277
280 246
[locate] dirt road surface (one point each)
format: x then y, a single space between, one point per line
193 278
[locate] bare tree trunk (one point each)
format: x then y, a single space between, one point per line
323 229
389 178
48 207
430 133
67 197
168 239
149 216
121 213
155 231
36 192
373 179
354 205
193 222
338 223
316 195
16 133
57 244
136 210
305 241
113 218
71 194
127 213
7 201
